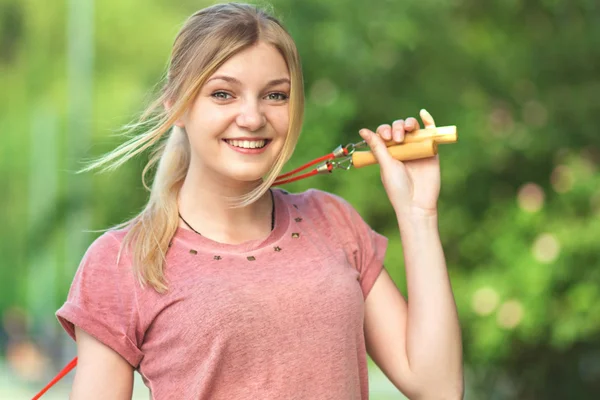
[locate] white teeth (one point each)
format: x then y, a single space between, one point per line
246 144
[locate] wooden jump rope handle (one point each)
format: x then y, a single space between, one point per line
419 144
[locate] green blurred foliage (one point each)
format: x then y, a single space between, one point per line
521 192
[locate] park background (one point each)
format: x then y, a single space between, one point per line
520 202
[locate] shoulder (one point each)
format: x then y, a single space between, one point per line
105 253
103 298
105 245
104 271
314 197
324 205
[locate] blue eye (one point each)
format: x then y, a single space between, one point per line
220 95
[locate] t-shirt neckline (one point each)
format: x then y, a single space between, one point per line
282 219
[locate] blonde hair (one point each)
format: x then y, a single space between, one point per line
207 40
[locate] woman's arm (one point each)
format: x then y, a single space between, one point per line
417 345
101 372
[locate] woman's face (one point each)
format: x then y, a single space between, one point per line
239 121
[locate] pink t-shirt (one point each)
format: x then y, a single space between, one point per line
275 318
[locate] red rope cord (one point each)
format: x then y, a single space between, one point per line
296 178
57 378
313 162
280 179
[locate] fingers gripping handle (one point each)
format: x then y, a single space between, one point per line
418 144
441 134
402 152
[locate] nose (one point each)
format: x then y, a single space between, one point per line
251 116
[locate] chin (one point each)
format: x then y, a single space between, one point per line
248 176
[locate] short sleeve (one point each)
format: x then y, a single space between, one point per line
102 300
368 247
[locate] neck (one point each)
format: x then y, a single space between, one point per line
202 203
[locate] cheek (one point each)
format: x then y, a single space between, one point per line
280 120
208 122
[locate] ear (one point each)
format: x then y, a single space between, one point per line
168 105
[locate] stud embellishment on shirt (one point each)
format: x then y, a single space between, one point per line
277 248
251 258
295 235
217 257
194 252
298 219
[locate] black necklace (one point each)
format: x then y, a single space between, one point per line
272 216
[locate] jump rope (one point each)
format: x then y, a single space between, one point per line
422 143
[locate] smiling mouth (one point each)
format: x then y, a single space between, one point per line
248 144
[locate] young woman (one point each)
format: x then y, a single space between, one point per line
226 288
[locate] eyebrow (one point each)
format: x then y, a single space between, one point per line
235 81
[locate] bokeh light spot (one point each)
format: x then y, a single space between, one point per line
501 121
510 314
530 197
562 179
546 248
485 300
